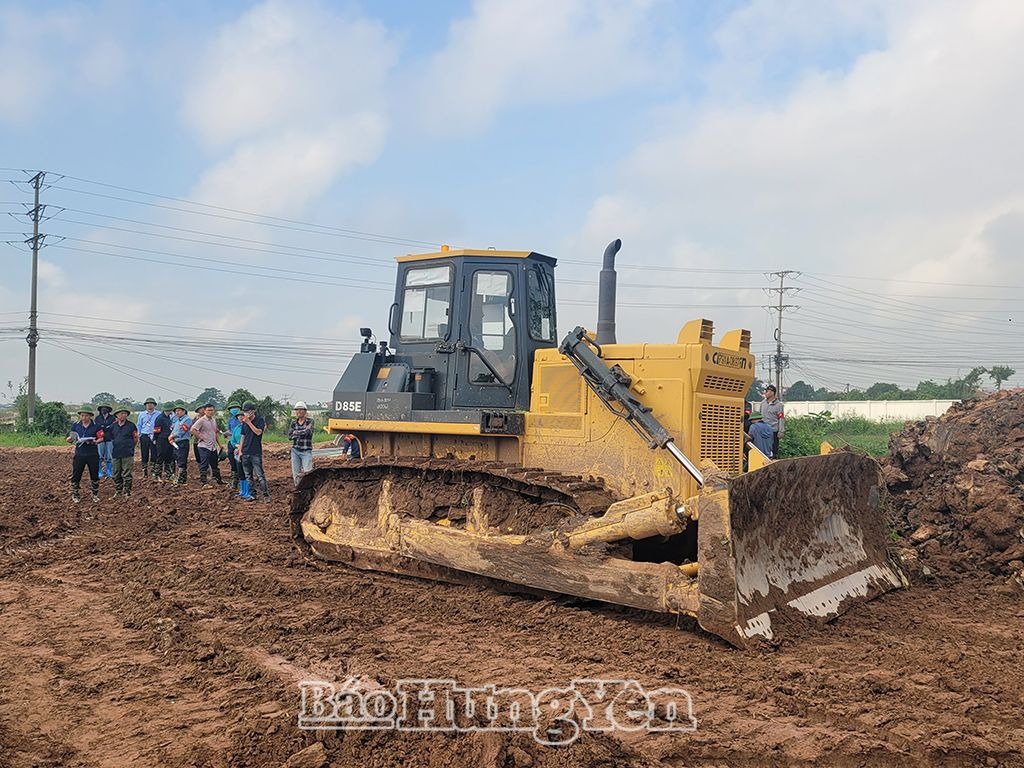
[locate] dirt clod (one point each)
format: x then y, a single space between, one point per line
956 485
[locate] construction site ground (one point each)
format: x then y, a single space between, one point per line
173 629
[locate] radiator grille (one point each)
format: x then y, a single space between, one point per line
720 428
725 384
564 387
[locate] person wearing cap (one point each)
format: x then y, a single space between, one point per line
301 434
123 435
761 435
205 430
145 423
250 450
772 412
160 460
84 436
181 425
104 418
234 436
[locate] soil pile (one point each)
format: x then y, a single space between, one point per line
956 485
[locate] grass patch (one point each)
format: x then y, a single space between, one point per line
805 434
28 440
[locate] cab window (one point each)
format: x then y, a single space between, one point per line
426 300
492 330
541 285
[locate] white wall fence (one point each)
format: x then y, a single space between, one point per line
876 410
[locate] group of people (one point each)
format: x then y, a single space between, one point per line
105 446
765 427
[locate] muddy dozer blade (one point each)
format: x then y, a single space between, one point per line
799 537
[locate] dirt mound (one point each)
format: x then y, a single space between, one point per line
956 485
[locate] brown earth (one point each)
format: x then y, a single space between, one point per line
956 486
174 629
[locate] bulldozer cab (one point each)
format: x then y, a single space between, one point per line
473 319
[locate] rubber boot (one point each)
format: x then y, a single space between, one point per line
75 493
234 481
127 487
244 492
182 476
110 468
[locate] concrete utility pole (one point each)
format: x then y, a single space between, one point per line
781 360
33 335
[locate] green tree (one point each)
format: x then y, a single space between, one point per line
1000 373
884 391
756 391
52 419
800 390
210 395
104 397
240 395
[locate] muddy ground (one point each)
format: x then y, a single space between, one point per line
174 629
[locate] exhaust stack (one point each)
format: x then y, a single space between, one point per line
606 295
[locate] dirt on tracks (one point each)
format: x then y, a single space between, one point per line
174 629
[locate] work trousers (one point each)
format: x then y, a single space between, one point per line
253 468
78 467
145 447
123 474
208 461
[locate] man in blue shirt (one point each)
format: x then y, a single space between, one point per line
181 426
147 420
251 450
84 436
122 436
761 435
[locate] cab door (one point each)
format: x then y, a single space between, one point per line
487 360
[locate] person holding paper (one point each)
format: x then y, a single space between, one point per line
84 436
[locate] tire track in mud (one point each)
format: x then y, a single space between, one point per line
172 631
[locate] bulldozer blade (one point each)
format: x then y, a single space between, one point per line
799 537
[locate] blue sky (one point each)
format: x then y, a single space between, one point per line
871 145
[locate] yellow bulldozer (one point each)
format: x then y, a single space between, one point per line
490 452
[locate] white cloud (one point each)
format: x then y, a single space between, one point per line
282 173
287 64
879 168
293 93
507 54
47 54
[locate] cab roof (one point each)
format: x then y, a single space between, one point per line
488 253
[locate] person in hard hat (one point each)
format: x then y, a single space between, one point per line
146 421
104 418
761 435
250 450
208 437
159 460
123 436
301 434
180 438
84 436
234 437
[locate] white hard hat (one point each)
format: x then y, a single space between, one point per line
301 404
